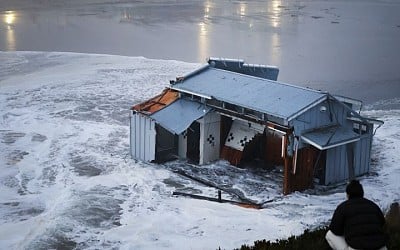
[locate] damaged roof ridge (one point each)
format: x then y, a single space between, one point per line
241 62
191 74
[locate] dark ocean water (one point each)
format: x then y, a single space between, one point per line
350 48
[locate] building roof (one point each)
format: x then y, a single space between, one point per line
329 137
273 98
158 102
178 116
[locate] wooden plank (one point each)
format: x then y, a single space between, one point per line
232 155
210 184
273 149
200 197
303 178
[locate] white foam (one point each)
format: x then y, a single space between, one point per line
71 120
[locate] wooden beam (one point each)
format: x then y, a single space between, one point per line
201 197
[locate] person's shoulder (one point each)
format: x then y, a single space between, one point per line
365 200
343 205
373 206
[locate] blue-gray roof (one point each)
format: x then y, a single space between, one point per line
330 137
266 96
178 116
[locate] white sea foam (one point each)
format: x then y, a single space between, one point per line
67 180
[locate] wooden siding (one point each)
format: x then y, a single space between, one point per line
232 155
302 177
273 148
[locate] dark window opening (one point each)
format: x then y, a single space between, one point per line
193 143
166 145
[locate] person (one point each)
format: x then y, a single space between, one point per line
393 217
357 223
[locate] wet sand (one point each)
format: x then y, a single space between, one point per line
350 48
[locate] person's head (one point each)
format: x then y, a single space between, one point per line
354 190
394 206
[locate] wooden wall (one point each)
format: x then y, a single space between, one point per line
301 177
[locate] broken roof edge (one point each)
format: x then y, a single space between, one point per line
239 66
178 116
156 103
241 62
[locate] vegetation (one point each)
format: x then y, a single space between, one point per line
308 240
311 240
316 239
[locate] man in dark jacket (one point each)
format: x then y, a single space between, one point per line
357 223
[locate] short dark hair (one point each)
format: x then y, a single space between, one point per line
354 189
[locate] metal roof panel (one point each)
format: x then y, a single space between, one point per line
330 137
178 116
270 97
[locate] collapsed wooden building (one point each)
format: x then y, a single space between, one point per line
239 112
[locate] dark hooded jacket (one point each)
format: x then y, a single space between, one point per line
361 223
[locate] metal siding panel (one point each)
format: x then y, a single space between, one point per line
343 116
337 165
330 166
339 172
146 137
143 144
366 155
132 135
344 163
137 136
338 161
150 140
327 168
339 114
361 157
314 118
137 146
358 158
141 136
